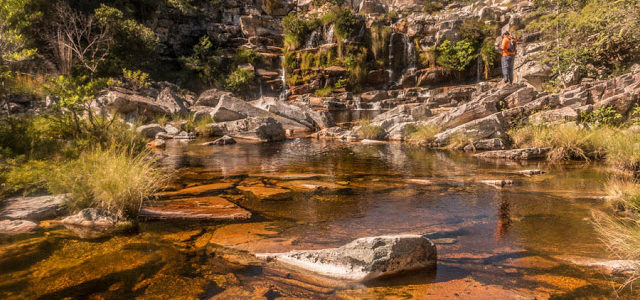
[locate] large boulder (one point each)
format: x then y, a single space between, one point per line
253 128
128 102
211 97
150 130
280 108
33 208
12 227
365 258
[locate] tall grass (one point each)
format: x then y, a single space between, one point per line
112 180
423 134
567 141
369 131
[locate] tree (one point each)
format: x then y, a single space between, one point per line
79 36
13 18
457 56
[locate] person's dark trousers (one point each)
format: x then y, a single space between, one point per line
507 68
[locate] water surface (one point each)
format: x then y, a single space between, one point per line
492 242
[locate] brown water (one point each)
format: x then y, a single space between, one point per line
508 243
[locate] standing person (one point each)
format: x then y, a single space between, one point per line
508 46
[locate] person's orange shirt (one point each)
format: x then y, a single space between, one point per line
505 47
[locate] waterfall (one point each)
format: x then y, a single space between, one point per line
260 84
314 39
285 89
391 56
358 102
479 69
328 38
408 64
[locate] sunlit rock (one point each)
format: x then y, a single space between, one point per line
365 258
33 208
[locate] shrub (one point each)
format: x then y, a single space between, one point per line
433 6
347 24
635 115
246 56
602 116
369 131
323 92
205 61
456 56
25 177
296 30
488 55
567 141
423 134
137 80
240 79
112 180
380 36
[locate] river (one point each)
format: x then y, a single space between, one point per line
493 243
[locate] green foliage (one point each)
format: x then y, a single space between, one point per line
297 30
369 131
347 24
27 178
457 56
477 30
137 80
319 3
246 56
240 79
290 62
111 180
205 61
184 6
635 115
590 37
606 115
380 36
323 92
134 44
488 55
434 6
356 64
271 6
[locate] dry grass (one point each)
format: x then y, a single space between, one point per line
458 140
369 131
112 180
567 141
423 134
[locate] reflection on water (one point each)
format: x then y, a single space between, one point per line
502 242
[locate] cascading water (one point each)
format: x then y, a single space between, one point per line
328 37
283 75
402 58
358 103
315 39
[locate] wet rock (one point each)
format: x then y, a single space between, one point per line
198 190
12 227
500 183
183 135
150 130
225 140
33 208
91 217
517 154
266 193
315 186
532 172
616 267
372 142
487 144
261 129
365 258
213 208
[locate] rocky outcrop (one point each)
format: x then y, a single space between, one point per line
150 130
364 259
253 128
132 104
33 208
13 227
517 154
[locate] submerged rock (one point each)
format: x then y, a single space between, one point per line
213 208
517 154
498 183
225 140
12 227
530 172
33 208
365 258
266 193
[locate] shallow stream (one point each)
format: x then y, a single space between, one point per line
493 243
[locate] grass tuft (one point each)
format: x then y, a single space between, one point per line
369 131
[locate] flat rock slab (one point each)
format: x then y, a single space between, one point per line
213 208
365 258
498 183
266 193
12 227
289 176
33 208
517 154
530 173
315 186
198 190
616 267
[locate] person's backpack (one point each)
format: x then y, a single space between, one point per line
512 45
